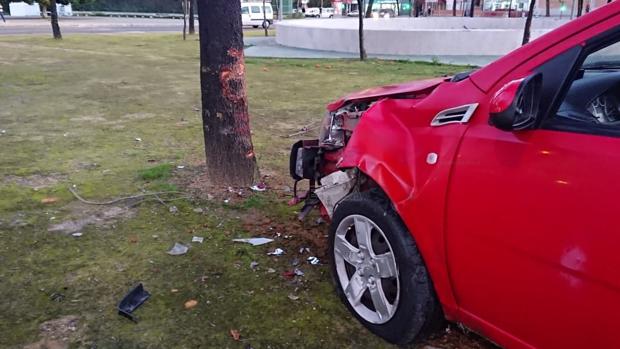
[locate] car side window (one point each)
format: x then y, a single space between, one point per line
591 104
256 9
245 11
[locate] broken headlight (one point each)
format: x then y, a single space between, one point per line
332 133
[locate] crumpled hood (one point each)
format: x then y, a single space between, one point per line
407 88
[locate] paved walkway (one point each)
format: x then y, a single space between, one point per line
268 47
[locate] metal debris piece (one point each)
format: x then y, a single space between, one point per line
298 272
198 239
276 252
138 139
178 249
3 132
293 297
254 241
173 209
314 260
132 301
77 235
180 167
303 250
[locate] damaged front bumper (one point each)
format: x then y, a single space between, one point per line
327 185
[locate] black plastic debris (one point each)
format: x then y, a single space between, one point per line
132 301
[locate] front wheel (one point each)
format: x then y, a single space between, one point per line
266 25
378 271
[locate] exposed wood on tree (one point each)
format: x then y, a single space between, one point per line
230 157
360 4
528 23
192 25
54 20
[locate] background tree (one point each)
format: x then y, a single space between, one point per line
528 23
368 9
192 24
54 15
360 4
579 8
454 8
547 8
228 142
185 5
472 7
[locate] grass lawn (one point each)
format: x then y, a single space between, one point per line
115 116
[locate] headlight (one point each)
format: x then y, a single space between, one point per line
332 131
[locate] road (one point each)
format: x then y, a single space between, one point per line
90 25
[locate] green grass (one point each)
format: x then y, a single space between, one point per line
72 110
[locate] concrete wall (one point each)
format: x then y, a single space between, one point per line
453 36
22 9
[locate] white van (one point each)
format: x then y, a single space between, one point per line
252 14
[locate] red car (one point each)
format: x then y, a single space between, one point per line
487 199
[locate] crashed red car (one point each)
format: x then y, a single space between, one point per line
488 199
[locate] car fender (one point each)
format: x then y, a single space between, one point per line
411 161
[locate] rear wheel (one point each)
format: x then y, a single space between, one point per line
378 271
266 25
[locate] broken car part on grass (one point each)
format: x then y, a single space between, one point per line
132 301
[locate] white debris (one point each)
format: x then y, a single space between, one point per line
254 241
314 260
77 235
138 139
276 252
198 239
178 249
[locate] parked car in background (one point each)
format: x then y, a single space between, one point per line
313 12
354 13
328 12
252 14
487 198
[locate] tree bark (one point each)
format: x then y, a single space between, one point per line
368 9
579 8
360 4
54 20
547 8
528 23
184 5
454 8
192 25
229 151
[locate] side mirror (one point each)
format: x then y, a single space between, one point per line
516 105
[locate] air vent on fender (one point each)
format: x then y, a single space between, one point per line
460 114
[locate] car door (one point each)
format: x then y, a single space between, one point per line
533 228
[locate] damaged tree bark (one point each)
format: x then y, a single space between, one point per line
228 142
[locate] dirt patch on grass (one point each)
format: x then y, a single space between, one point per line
83 215
57 333
36 181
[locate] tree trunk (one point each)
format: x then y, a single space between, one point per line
472 7
454 8
229 151
528 23
548 8
368 9
265 23
192 25
360 4
184 4
579 8
510 9
55 26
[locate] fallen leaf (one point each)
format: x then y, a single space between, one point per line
235 334
49 200
265 69
191 303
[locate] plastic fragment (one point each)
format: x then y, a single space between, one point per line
276 252
299 272
259 187
77 235
254 264
178 249
173 209
198 239
293 297
314 260
254 241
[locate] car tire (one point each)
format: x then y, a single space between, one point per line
266 25
394 299
255 26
